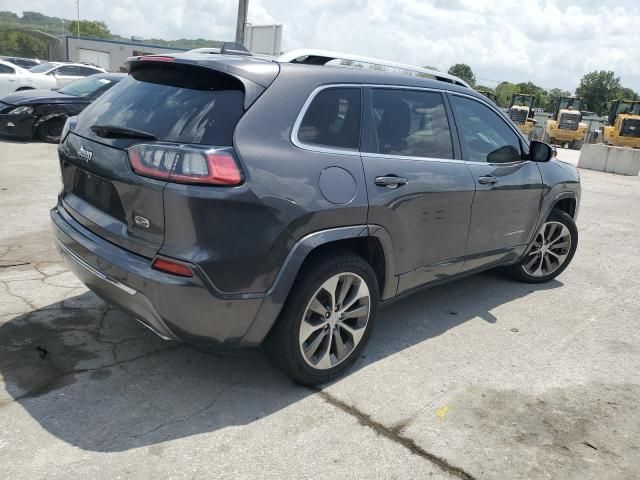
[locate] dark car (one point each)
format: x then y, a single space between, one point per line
22 62
41 114
239 201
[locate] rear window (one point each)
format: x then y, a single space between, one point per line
174 103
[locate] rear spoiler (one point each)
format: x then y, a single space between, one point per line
255 75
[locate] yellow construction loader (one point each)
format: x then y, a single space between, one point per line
521 113
623 125
489 94
565 125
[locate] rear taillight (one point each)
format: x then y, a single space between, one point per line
185 164
156 58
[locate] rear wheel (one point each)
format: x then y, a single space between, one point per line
51 130
327 319
551 252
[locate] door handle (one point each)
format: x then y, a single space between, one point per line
488 180
390 181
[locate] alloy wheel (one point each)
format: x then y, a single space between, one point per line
334 321
549 251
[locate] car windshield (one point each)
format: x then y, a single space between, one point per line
42 68
86 86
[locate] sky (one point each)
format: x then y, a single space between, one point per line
551 43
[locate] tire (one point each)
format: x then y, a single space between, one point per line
325 338
577 144
51 130
541 264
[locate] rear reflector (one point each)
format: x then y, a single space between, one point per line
172 268
185 164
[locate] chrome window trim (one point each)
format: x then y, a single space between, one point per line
303 112
352 151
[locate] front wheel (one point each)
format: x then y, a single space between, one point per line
51 130
327 319
552 250
577 144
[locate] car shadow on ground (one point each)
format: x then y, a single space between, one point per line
95 378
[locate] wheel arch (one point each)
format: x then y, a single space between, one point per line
372 242
566 204
567 201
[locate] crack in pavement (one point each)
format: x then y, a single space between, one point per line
43 388
210 405
394 435
18 264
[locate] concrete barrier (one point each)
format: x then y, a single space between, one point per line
605 158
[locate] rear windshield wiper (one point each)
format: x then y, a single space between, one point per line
113 131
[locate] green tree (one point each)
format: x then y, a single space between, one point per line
597 88
463 71
627 94
22 45
552 98
504 92
89 28
539 93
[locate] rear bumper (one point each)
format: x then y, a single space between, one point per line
17 126
174 307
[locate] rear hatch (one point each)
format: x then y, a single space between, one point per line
165 103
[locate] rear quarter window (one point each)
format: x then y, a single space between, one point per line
333 119
175 103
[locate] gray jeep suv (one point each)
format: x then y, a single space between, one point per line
240 201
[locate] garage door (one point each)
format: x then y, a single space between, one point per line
101 59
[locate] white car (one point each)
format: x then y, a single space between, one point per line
14 78
65 73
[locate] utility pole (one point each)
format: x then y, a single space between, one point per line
78 10
243 6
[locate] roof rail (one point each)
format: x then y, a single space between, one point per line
311 56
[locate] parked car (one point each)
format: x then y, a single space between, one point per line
242 201
22 62
65 73
42 113
14 79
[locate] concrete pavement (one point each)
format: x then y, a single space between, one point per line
479 379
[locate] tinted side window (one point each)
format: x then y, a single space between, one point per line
411 122
484 135
86 71
333 119
69 71
6 69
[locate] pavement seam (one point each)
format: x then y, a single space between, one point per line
394 435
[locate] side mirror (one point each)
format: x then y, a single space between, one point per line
540 151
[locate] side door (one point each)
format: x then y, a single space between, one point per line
419 189
508 189
8 80
65 74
